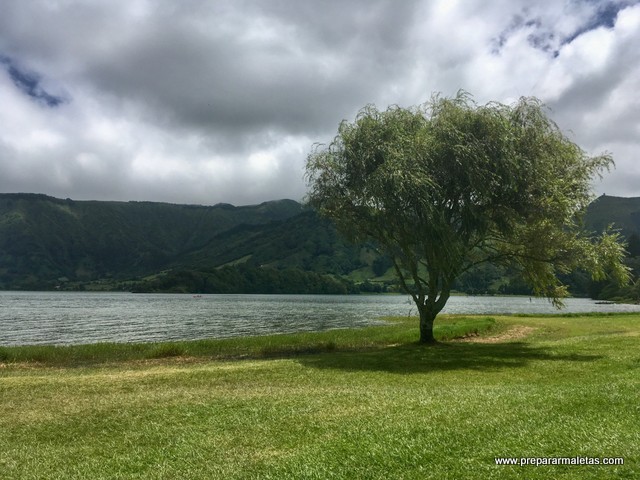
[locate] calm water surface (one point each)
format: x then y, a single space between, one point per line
63 318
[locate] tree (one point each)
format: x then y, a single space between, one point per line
451 184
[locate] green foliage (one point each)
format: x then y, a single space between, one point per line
448 185
47 243
381 264
484 278
303 242
623 213
245 279
633 245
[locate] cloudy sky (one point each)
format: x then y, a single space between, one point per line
207 101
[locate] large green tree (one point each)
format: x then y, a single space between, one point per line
451 184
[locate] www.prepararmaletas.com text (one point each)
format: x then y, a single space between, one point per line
538 461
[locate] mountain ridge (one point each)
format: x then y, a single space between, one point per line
46 241
44 238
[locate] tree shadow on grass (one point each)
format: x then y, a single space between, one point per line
414 358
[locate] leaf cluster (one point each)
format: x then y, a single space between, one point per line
451 184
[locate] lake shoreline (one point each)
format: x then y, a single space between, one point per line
68 318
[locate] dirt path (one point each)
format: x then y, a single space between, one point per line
515 333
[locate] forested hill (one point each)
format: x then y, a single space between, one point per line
622 212
51 243
43 239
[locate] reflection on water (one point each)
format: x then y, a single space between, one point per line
72 318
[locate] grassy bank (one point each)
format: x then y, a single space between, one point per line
397 330
341 404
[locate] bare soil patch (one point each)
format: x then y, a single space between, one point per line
515 333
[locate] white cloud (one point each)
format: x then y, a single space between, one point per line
206 102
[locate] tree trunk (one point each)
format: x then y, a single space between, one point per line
426 325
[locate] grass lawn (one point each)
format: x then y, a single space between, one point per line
365 403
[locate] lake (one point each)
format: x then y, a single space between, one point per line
65 318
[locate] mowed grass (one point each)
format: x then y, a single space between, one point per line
367 403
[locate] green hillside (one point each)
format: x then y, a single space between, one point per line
304 241
277 246
44 239
623 213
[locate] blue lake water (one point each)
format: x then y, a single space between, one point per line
64 318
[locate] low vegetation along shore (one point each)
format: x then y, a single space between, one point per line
366 403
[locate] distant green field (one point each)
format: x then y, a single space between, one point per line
367 403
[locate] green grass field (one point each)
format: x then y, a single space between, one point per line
357 404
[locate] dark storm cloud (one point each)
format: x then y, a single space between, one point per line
285 69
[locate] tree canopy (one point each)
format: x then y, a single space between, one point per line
451 184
